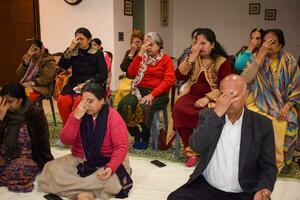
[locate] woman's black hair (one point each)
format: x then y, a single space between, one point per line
38 43
195 31
96 89
260 30
97 41
278 33
15 90
85 32
211 37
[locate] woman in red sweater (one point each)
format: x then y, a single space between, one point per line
154 75
98 165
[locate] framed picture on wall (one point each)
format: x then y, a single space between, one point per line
254 8
164 12
270 14
128 7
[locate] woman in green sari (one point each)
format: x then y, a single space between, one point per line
274 79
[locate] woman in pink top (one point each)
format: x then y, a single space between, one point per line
98 166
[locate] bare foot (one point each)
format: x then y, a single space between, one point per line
85 196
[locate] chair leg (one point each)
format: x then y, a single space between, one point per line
166 120
177 144
52 110
155 130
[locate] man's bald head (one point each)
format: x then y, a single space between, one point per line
235 80
237 85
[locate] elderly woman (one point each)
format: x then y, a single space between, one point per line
202 69
247 52
37 70
88 65
98 166
154 76
24 143
274 79
136 41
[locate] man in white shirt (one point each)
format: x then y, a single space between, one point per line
237 150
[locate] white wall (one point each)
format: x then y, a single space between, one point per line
60 20
104 18
122 23
231 22
152 23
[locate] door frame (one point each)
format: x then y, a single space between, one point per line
36 15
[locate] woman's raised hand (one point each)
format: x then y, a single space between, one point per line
133 47
28 55
74 43
196 47
144 47
3 108
81 108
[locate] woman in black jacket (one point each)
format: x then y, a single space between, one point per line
24 139
88 65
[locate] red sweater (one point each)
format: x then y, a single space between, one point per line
115 144
159 77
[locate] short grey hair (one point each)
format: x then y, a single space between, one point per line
156 37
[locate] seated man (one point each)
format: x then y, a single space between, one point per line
37 70
237 150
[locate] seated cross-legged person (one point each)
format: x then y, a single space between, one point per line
88 65
237 150
99 165
154 76
202 70
274 79
24 139
37 70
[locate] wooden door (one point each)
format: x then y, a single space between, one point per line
19 21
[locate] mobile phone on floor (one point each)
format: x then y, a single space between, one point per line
51 196
158 163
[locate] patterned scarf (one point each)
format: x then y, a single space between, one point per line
146 61
273 89
33 67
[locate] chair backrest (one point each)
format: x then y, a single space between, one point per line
231 59
110 54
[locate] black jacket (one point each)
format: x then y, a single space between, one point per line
257 164
86 65
39 134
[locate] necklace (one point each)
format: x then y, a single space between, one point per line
205 67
